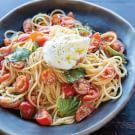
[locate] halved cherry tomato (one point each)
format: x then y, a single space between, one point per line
92 94
48 76
23 37
116 77
95 42
7 41
18 65
118 46
22 84
108 73
26 110
70 14
43 117
34 35
81 86
5 77
4 51
56 19
41 40
68 89
83 111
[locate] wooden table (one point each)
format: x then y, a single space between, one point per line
124 123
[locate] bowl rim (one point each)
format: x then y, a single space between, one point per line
110 116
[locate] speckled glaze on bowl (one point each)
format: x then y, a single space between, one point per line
101 19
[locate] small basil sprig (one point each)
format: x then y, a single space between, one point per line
20 54
67 107
74 74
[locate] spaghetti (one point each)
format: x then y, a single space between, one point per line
53 95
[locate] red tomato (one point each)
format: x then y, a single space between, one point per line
83 111
4 51
43 117
23 37
56 19
27 110
41 40
21 84
18 65
108 73
48 76
118 46
68 89
34 35
95 42
81 86
7 41
4 77
70 14
92 94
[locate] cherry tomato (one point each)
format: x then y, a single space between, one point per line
34 35
68 89
26 110
118 46
22 84
81 86
108 73
43 117
7 41
92 94
83 111
70 14
109 37
18 65
4 51
67 21
41 40
48 76
95 42
23 37
56 19
5 77
116 77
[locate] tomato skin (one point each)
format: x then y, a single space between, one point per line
92 94
22 84
17 65
4 51
118 46
56 19
34 35
41 40
81 86
68 89
108 73
5 77
27 110
48 77
43 117
23 37
83 111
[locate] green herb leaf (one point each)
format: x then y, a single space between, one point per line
113 52
19 54
67 107
34 45
74 74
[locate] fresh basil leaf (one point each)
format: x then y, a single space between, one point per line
67 107
19 54
74 74
34 45
113 52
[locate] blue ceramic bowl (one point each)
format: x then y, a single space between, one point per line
100 19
